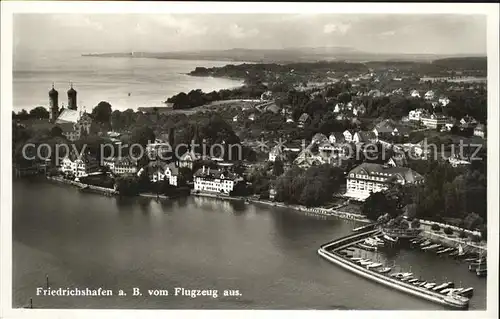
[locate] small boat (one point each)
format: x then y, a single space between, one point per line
414 280
425 243
384 270
343 252
431 247
443 286
430 285
404 275
350 249
423 283
396 274
407 278
367 247
356 258
374 265
481 270
390 239
445 250
467 292
474 266
365 263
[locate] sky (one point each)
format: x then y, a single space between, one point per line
397 33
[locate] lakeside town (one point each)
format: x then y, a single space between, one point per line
366 139
382 143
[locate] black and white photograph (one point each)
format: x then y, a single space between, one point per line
257 156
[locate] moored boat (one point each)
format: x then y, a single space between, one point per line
374 265
367 247
430 285
445 250
384 270
431 247
443 286
467 292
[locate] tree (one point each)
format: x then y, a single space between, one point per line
278 167
142 136
102 113
56 131
39 113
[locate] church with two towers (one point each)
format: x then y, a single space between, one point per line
73 122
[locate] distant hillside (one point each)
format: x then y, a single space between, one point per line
287 55
465 63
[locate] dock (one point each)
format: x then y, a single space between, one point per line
331 252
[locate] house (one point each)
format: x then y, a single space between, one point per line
359 110
369 177
273 108
329 151
455 161
215 180
429 95
266 95
444 101
340 117
336 137
480 130
398 160
235 118
121 166
375 93
339 107
433 121
187 159
307 159
364 137
347 136
468 121
415 115
289 119
304 119
79 166
157 149
159 172
276 153
415 93
252 117
384 127
319 138
172 174
401 131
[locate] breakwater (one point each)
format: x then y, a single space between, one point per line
85 187
329 252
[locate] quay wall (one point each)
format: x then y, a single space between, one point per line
97 189
381 278
454 242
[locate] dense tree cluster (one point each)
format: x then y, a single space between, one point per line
311 187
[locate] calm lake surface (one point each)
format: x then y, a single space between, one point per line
268 254
149 81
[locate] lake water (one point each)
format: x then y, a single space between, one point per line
267 253
149 81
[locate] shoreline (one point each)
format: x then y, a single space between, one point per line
312 210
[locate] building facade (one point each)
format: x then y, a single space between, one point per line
215 181
368 177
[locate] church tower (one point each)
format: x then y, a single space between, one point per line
53 104
72 98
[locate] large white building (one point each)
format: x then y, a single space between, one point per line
368 177
215 180
76 166
121 166
416 115
434 120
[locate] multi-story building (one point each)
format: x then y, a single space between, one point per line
429 95
368 177
215 180
434 121
121 166
79 166
416 115
158 149
480 130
